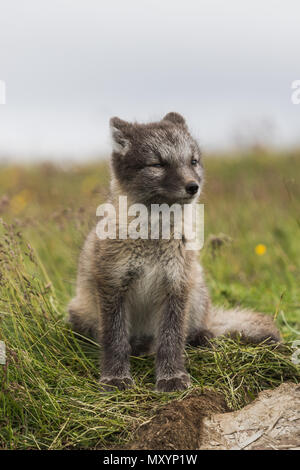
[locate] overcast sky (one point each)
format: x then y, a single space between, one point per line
69 65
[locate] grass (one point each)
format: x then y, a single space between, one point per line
49 397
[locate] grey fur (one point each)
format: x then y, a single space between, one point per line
142 296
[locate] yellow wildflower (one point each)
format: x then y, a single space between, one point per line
260 249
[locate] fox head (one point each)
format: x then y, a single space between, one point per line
158 162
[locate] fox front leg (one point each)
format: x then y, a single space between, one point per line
171 374
115 342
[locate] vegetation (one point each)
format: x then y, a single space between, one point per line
49 396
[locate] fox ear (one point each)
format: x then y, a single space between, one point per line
119 135
176 118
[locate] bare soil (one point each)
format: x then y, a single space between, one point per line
179 424
271 421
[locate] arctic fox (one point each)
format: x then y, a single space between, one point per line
138 296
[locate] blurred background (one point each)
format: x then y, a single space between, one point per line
228 67
69 65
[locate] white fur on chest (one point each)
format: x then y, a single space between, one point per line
145 300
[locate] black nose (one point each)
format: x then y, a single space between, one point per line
192 188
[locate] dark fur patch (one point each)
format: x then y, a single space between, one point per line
200 337
141 345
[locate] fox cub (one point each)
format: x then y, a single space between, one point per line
138 296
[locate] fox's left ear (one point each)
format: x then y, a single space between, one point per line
176 118
120 135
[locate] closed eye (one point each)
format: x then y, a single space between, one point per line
158 165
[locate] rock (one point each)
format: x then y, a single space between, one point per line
272 421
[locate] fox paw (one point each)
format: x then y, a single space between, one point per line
173 384
110 384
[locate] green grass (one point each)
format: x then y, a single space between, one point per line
49 397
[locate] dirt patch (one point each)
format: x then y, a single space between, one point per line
178 425
272 421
